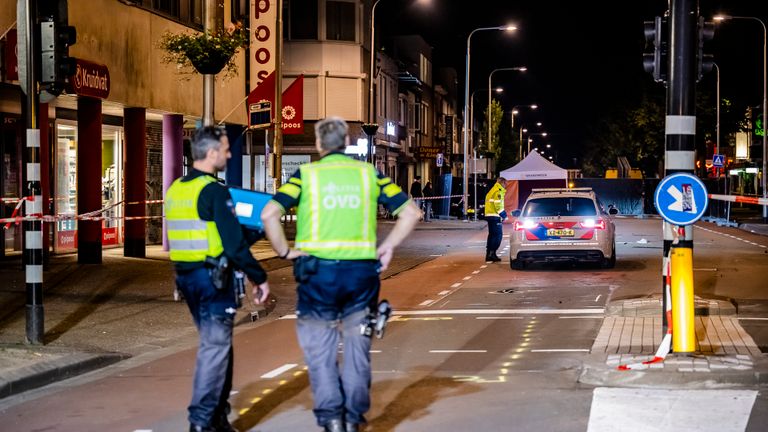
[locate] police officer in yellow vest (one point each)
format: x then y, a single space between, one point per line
495 215
337 267
203 234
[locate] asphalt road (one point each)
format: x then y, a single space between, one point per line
472 346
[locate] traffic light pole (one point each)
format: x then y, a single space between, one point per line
680 132
33 232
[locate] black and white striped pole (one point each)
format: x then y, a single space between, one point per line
680 124
33 207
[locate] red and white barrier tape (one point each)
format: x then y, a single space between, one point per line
666 341
739 199
438 197
89 216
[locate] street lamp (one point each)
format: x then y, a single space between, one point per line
371 118
515 111
530 140
490 100
720 18
465 191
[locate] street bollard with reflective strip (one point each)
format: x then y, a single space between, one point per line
683 323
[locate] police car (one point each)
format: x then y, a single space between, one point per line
563 225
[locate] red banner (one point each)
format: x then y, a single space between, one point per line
293 108
293 103
11 56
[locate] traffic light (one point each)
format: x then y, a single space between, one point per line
656 36
705 62
56 36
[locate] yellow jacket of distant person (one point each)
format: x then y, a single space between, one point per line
494 200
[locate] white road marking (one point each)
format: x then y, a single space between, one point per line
287 317
456 351
436 255
625 409
598 297
484 266
374 351
467 277
705 269
278 371
143 430
752 319
559 350
456 285
498 318
579 317
442 293
476 272
502 311
426 302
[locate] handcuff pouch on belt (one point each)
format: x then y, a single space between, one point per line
219 270
304 267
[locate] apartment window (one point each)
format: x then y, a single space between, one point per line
340 21
402 114
301 20
189 12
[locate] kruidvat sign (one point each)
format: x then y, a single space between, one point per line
263 40
90 79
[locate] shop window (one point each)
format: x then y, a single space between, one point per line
340 21
300 21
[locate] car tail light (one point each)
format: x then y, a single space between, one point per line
592 223
525 224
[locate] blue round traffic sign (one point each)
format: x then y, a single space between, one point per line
681 198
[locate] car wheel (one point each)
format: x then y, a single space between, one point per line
610 262
516 264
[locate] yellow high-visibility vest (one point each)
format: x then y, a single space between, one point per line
337 209
190 238
494 200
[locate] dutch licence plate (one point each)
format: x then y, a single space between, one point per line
560 233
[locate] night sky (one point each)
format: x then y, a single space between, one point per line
584 57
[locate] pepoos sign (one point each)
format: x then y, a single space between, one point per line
263 40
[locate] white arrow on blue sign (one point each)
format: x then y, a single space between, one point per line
681 199
717 161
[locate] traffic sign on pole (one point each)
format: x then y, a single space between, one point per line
439 160
717 160
681 199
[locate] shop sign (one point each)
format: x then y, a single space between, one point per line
431 152
90 79
11 56
109 236
66 239
263 40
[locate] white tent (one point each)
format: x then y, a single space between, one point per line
532 172
535 167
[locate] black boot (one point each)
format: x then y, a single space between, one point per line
353 427
488 256
335 425
221 423
494 257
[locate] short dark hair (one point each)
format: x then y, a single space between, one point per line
417 178
206 138
332 133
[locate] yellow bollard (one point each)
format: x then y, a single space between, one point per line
683 316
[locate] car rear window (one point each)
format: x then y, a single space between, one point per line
560 206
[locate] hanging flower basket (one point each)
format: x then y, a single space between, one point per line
206 54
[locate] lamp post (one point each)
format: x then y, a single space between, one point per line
465 188
530 140
765 105
490 100
371 118
514 111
